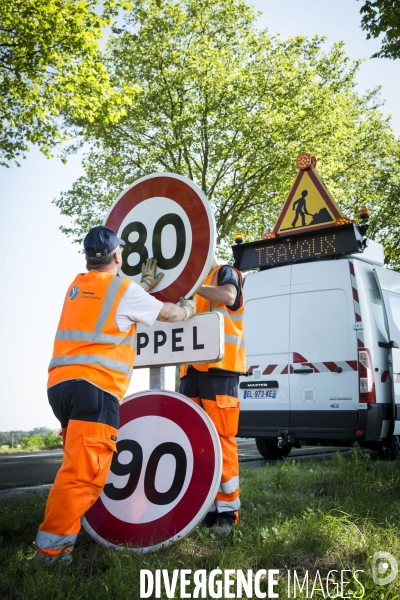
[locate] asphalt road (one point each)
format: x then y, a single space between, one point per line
28 469
25 469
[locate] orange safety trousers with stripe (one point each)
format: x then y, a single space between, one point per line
224 413
217 394
88 451
223 410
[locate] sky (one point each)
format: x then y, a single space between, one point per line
39 262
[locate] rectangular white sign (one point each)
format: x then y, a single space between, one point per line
199 339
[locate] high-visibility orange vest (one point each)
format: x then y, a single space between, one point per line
235 355
88 343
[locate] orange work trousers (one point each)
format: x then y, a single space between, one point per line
88 450
217 395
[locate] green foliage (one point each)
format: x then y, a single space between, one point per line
383 16
52 441
19 516
231 107
50 69
311 515
32 442
41 442
7 436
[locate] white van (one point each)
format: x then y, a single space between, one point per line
322 341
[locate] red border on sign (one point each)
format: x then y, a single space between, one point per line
192 204
118 532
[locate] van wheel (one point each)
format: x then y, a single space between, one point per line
391 447
269 449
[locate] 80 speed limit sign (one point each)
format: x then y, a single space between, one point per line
164 475
165 216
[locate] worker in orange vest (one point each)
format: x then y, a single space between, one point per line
215 387
89 373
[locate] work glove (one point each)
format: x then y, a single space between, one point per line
189 305
148 280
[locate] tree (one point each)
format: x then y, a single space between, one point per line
383 16
32 442
50 67
52 441
231 107
6 437
49 441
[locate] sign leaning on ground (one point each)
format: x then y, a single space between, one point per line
164 475
165 216
200 339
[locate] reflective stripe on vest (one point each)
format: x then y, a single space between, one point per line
233 316
234 357
234 339
86 336
108 303
88 343
91 359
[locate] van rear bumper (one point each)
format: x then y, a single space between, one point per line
339 425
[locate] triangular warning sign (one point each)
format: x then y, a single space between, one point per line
309 205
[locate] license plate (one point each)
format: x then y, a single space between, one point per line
268 393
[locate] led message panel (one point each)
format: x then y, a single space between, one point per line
326 243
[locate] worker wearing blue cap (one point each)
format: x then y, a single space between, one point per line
89 373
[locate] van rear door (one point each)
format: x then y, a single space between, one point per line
264 393
389 285
323 347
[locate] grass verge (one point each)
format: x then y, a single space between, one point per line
314 517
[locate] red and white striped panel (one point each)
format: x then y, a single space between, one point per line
356 301
319 367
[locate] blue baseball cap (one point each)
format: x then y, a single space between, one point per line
101 240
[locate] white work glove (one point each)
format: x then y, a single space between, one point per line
189 305
148 280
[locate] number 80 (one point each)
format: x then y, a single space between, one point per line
138 247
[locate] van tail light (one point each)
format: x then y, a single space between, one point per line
365 376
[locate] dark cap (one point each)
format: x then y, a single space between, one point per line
101 240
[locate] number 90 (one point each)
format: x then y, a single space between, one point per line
134 469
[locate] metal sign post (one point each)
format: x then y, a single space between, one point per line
157 378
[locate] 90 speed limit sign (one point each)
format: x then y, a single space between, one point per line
165 216
164 476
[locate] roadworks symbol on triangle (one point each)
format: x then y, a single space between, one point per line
308 207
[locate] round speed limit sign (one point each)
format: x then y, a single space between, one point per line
164 476
165 216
